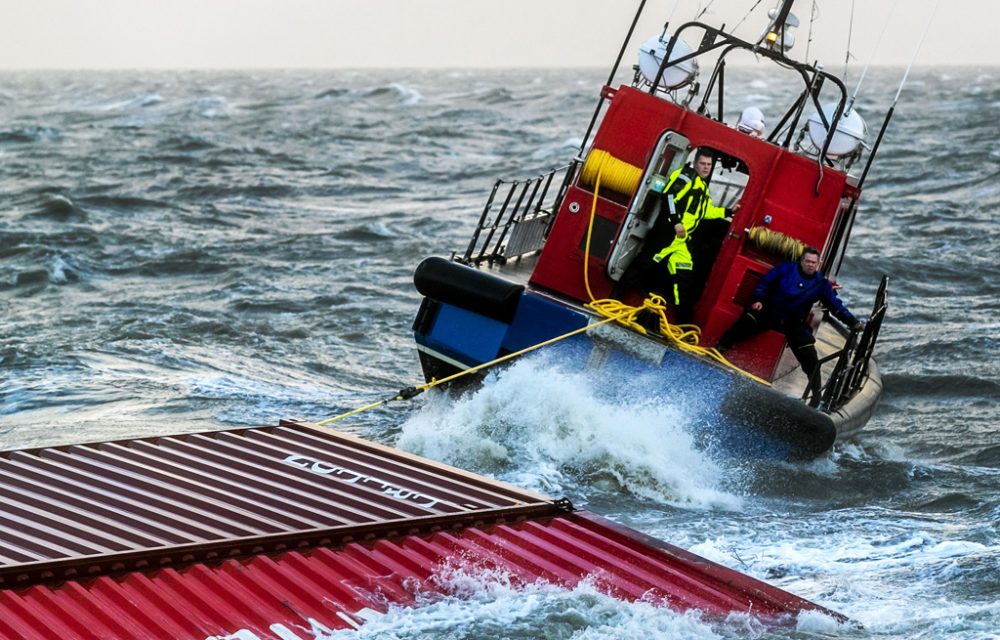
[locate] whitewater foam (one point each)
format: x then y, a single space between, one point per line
554 432
488 605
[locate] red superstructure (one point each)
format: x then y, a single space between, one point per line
289 532
786 193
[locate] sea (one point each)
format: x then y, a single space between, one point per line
187 251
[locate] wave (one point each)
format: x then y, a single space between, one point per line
491 95
950 503
29 135
59 271
988 457
59 207
407 95
248 397
536 426
371 232
173 263
211 107
190 142
393 92
331 93
941 386
242 192
136 101
495 604
123 203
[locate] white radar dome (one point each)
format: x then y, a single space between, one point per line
751 121
851 131
651 56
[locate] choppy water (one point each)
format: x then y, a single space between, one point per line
187 251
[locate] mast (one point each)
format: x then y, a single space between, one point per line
779 21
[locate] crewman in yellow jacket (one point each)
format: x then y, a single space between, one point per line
687 204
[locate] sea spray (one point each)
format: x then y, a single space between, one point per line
482 604
552 431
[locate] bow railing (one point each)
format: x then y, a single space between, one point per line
852 362
516 219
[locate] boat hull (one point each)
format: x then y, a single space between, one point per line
726 410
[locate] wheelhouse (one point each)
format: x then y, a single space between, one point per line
785 201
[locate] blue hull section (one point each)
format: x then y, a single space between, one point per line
538 319
465 336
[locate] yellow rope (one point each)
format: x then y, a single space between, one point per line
618 175
409 392
590 230
622 177
776 242
685 337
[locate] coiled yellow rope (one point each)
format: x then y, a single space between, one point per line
617 175
684 337
776 243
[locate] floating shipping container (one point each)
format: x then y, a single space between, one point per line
290 532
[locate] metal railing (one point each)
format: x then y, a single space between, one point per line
516 221
851 369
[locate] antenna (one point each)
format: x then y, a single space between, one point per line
743 19
673 11
611 75
850 32
892 107
813 15
920 44
707 7
878 44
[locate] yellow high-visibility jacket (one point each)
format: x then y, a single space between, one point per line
687 201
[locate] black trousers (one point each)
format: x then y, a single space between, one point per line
800 339
654 277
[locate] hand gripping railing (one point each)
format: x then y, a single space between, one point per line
851 370
519 225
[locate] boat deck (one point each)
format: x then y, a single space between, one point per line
849 419
517 270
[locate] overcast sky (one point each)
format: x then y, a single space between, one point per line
247 34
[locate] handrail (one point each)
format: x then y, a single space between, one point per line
851 370
521 223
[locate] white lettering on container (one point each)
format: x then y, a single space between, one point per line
353 477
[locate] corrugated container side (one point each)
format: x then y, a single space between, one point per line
301 596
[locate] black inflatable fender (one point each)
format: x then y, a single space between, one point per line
468 288
807 432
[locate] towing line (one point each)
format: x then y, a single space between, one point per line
684 336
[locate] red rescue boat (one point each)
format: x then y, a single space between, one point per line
543 268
